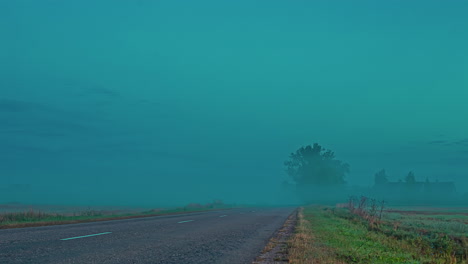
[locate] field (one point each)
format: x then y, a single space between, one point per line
398 235
17 215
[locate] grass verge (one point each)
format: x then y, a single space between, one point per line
326 235
33 218
306 246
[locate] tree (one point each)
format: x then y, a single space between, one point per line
380 178
314 165
410 178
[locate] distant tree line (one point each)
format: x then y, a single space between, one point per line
410 189
318 176
381 178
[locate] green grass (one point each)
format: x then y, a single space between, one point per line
37 218
34 216
398 238
455 226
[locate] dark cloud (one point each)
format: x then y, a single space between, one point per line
25 119
457 161
438 142
28 108
86 88
35 132
17 106
21 149
39 125
462 142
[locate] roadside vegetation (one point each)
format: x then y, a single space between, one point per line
364 230
356 235
37 218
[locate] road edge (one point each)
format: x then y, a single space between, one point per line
276 250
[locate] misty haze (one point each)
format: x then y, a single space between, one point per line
113 108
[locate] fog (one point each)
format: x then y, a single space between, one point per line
154 103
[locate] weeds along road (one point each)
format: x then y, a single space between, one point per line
230 236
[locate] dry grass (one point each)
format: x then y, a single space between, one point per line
276 251
304 248
35 218
271 245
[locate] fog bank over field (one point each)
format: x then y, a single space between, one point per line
171 102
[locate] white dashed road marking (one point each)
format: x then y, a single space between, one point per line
222 215
70 238
181 222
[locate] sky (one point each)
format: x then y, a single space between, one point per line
170 102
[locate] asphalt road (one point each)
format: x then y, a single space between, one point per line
230 236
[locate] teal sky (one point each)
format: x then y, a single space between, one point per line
175 101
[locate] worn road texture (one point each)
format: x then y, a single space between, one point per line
231 236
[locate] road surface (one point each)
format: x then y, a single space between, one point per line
230 236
